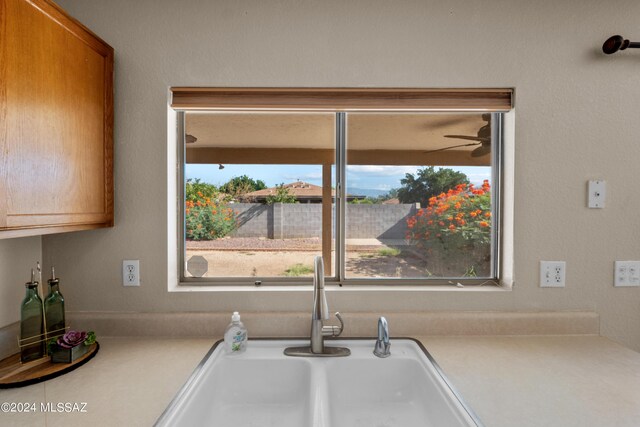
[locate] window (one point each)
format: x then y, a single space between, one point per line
428 210
259 194
386 195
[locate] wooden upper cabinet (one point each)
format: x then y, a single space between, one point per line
56 122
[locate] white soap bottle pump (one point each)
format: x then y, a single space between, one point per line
235 336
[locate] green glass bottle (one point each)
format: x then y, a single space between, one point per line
54 308
31 323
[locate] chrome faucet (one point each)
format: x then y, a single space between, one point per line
319 314
382 343
321 310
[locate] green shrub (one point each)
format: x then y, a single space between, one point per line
197 190
455 227
206 217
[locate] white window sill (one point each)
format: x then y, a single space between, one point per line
336 288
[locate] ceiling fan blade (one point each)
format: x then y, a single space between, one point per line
470 138
481 151
453 146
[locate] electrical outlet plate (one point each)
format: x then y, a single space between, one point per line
626 273
552 274
131 272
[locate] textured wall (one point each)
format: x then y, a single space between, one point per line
576 119
17 258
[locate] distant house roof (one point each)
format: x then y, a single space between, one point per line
302 191
394 201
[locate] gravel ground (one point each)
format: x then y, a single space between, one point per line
262 257
264 244
254 263
264 263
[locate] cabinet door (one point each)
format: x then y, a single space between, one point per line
56 122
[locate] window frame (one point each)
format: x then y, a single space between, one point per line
497 114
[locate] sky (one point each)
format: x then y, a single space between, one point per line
383 178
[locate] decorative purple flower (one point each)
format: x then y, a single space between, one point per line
72 339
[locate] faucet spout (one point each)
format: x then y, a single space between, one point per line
319 314
320 307
382 343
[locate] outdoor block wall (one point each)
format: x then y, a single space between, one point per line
297 220
254 220
300 220
381 221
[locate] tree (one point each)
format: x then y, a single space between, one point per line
282 196
238 186
392 194
428 183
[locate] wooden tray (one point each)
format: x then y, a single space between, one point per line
15 374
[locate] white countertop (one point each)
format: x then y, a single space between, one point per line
507 380
543 381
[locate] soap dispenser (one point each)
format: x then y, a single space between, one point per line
54 308
235 336
31 323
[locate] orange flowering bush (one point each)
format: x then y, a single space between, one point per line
455 222
207 218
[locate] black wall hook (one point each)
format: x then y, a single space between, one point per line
616 43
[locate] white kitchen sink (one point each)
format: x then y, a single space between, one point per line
264 388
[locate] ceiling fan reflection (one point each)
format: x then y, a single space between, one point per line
483 139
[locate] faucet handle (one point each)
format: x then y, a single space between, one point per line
334 331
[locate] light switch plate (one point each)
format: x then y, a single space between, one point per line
552 274
626 274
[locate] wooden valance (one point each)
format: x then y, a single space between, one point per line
342 99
